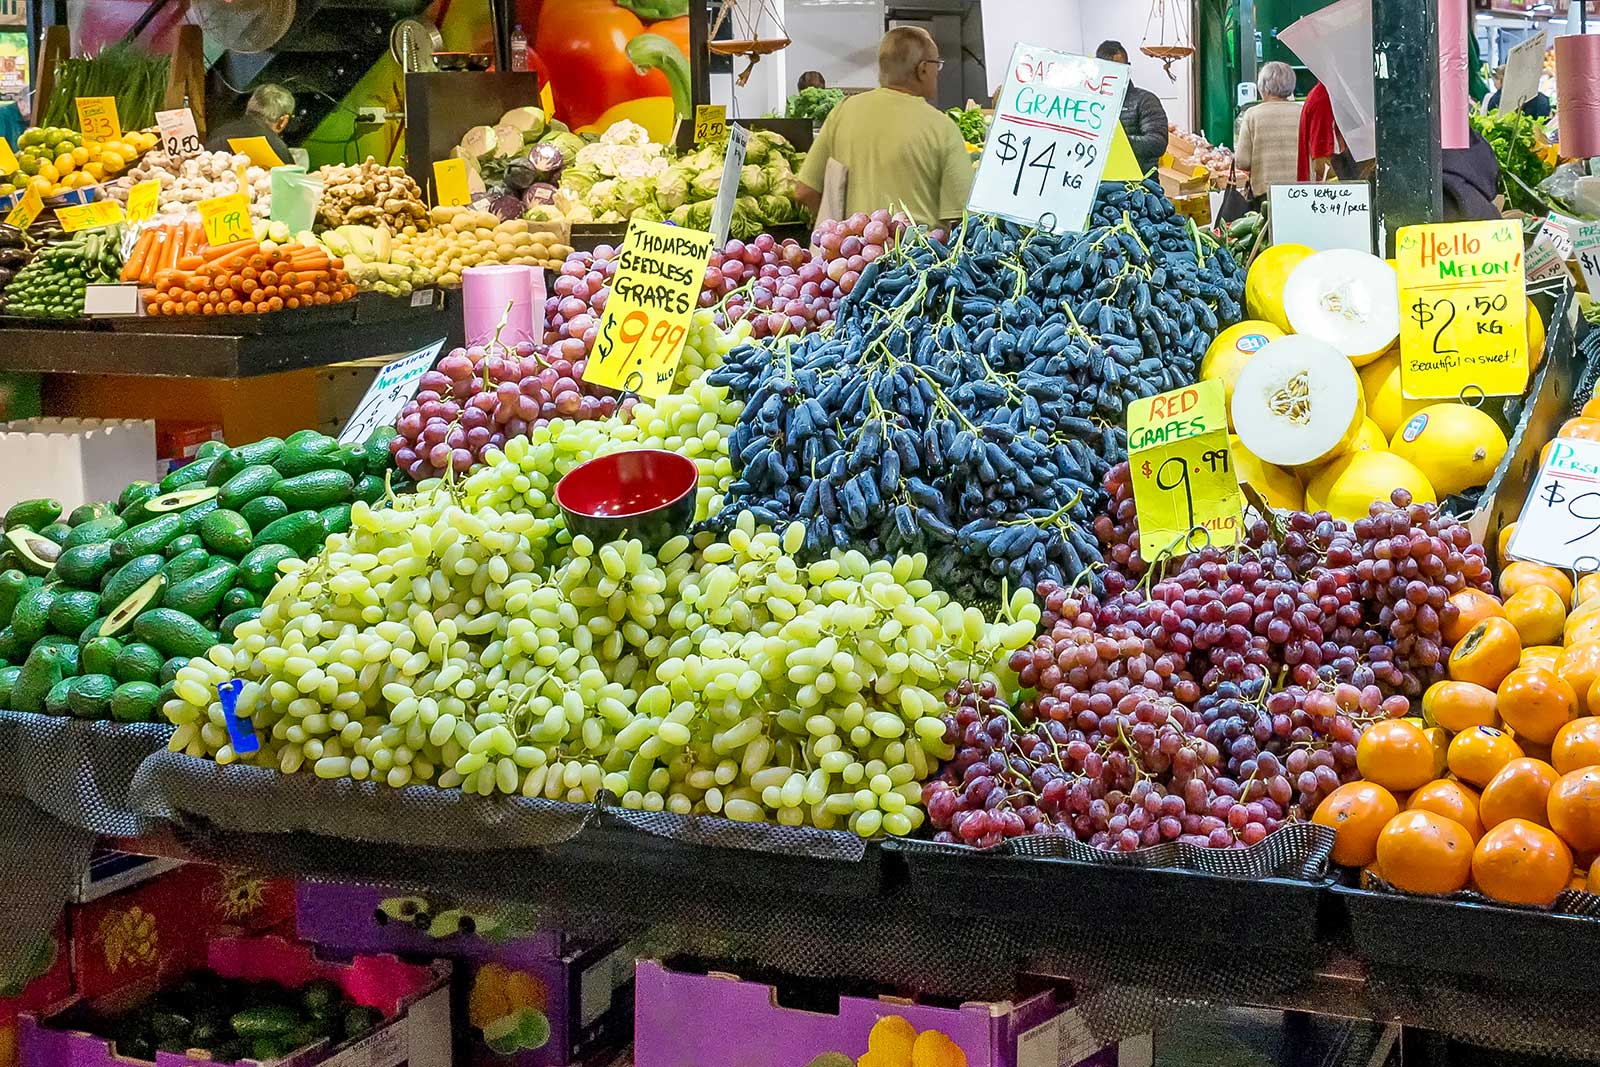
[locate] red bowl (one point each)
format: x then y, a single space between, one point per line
647 493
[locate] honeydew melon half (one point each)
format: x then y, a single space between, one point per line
1298 403
1347 298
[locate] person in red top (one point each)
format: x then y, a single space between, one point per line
1319 137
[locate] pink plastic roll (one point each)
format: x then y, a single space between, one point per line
485 293
1454 102
1578 94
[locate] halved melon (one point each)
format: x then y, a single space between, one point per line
1298 403
1347 298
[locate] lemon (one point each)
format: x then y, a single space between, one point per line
80 155
1276 485
94 170
1456 446
1347 487
1232 350
1264 285
1386 405
64 163
48 172
112 161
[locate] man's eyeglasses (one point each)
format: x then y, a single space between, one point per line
938 64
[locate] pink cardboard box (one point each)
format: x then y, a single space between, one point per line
709 1020
549 1013
414 999
368 918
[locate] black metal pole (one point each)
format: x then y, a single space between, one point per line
1405 78
699 53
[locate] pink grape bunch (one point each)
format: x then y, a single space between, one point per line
577 301
779 286
478 397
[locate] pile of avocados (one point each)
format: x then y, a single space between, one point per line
101 607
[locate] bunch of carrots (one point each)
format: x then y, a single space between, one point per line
182 275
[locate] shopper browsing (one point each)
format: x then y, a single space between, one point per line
1144 120
1268 142
266 115
897 150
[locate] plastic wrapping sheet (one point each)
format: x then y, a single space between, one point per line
1578 94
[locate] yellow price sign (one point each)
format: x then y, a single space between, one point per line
97 118
450 183
142 200
710 123
226 219
259 149
26 211
8 158
1463 310
653 296
1185 490
90 216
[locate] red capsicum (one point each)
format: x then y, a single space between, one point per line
600 54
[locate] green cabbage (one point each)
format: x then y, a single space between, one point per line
580 179
633 193
757 150
648 213
680 214
752 180
705 184
672 187
699 215
776 209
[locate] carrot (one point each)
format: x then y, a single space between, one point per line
250 274
235 306
235 281
269 277
190 261
323 298
287 277
141 249
275 304
249 308
213 253
258 261
230 262
169 254
292 302
168 308
191 307
227 293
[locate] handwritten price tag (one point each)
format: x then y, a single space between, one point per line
653 296
1050 139
90 216
1586 249
26 211
1463 310
395 384
1323 216
1560 520
450 183
1185 490
142 200
179 137
728 190
710 123
97 118
8 158
226 219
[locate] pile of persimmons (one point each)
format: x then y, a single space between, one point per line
1496 785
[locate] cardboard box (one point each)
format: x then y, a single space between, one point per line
178 440
414 1000
75 461
551 1012
685 1019
110 871
368 918
1180 181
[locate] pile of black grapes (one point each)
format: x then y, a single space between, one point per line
972 392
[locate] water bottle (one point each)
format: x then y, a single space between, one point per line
519 49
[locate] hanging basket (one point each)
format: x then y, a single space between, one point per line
749 48
1168 54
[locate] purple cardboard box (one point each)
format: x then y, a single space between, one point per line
549 1013
710 1020
368 918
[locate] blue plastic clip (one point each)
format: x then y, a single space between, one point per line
242 732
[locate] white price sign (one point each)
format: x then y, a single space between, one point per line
1524 66
179 138
1560 521
1050 139
1322 217
395 384
728 191
1586 249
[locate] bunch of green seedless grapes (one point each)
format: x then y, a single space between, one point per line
463 638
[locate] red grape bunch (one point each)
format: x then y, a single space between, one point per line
778 285
576 302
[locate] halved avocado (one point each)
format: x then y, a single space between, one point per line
179 499
129 609
36 553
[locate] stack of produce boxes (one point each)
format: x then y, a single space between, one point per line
525 996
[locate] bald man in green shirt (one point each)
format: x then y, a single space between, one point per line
900 151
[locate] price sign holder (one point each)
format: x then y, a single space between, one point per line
653 297
226 219
450 183
1463 310
1323 216
1051 138
180 139
142 200
90 216
1586 250
8 158
728 191
1560 520
389 392
710 123
259 149
113 299
97 118
26 211
1184 487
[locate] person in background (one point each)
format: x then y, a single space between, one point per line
266 115
900 151
1268 141
1319 139
1144 120
811 79
1537 106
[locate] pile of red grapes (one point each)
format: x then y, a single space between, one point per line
1217 699
576 302
477 397
778 285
